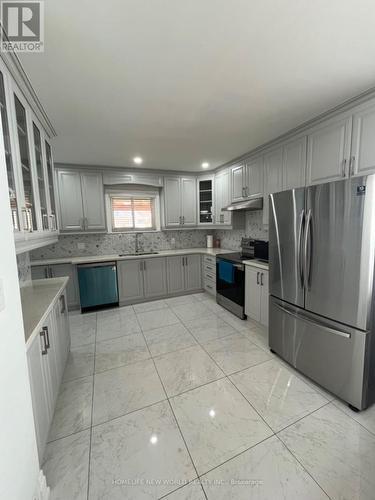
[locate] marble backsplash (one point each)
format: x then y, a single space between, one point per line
253 229
24 269
109 244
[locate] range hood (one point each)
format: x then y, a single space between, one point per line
254 204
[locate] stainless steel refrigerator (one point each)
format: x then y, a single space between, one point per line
322 251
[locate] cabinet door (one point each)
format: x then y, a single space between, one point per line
51 186
61 270
63 331
294 164
155 277
41 180
53 356
238 182
273 177
39 392
222 198
188 201
70 198
252 293
254 174
39 272
130 279
264 297
175 274
193 280
172 201
93 201
328 151
363 144
218 192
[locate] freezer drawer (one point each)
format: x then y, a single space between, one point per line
330 354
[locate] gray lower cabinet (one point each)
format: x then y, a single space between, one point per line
130 280
184 273
154 277
59 271
46 357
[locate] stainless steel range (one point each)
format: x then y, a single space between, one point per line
230 274
322 253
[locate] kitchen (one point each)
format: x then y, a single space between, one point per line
186 282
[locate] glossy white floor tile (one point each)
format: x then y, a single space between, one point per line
120 351
73 408
139 456
186 369
235 353
337 451
217 423
168 338
266 472
277 394
66 465
209 327
125 389
80 362
192 354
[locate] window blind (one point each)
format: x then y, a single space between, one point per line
132 213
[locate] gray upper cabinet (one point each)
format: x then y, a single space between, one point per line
362 160
273 178
193 278
81 199
328 150
155 277
180 201
222 198
294 163
254 177
130 280
238 182
175 274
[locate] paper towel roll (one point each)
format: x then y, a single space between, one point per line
210 241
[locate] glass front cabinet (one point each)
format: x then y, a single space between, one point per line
29 166
206 200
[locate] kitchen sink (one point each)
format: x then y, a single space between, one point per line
137 253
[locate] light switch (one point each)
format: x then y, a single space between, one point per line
81 246
2 295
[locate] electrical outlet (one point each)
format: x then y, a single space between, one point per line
81 246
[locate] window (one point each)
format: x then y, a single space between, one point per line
132 213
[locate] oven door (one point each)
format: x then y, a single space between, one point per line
230 284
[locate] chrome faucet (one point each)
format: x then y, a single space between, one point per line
136 245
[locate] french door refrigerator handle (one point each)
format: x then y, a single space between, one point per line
299 247
307 250
312 322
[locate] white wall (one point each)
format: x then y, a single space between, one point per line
18 453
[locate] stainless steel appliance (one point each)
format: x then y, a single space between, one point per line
230 274
322 251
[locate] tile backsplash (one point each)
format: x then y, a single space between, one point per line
24 269
253 229
109 244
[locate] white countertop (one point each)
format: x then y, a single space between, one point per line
257 263
105 258
37 301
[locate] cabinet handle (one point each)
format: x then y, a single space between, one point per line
43 336
81 224
261 279
344 162
30 218
45 329
46 272
183 219
208 286
51 275
62 304
258 278
351 165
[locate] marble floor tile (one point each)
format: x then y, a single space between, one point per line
337 451
120 351
202 296
183 299
235 353
214 307
82 329
185 369
66 466
217 423
73 408
156 319
235 322
138 456
123 310
168 339
125 389
117 325
268 471
188 312
150 306
80 362
192 491
208 328
364 417
258 335
277 394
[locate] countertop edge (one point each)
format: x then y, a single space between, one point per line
34 332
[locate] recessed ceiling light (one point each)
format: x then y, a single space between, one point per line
205 164
138 160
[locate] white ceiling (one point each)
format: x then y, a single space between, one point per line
183 81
